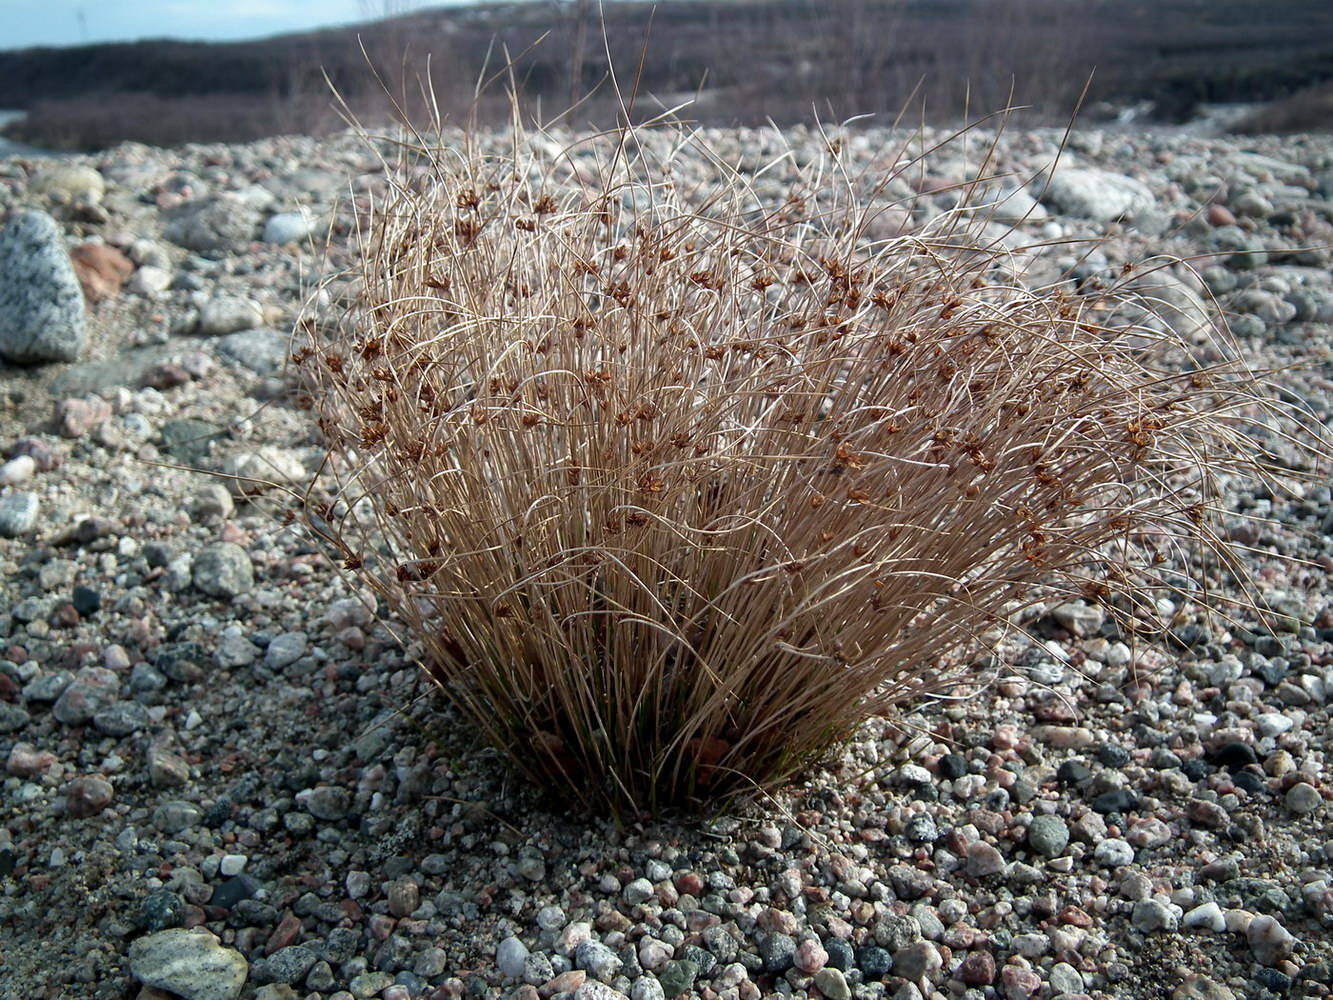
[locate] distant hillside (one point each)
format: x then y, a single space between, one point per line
750 60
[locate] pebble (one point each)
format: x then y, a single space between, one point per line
810 956
18 513
254 472
221 222
285 649
69 184
833 984
1153 915
290 964
176 816
227 314
1097 194
1302 799
1113 852
1081 619
873 961
917 961
328 802
223 569
594 990
42 316
26 761
1019 984
121 718
1269 940
677 977
1207 916
189 963
87 796
1064 978
91 689
510 956
1048 836
17 470
167 769
977 969
639 890
653 954
983 860
647 988
1197 987
288 227
778 951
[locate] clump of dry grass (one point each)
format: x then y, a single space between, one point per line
675 491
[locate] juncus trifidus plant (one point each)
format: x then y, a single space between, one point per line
676 489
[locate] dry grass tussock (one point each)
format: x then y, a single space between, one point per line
676 490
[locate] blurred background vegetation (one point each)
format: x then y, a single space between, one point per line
747 61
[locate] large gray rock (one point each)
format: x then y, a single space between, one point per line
67 183
189 963
262 351
42 316
1098 195
227 314
222 222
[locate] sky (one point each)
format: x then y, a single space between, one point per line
25 23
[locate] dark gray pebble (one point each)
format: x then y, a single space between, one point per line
121 718
86 601
953 765
875 963
1119 801
677 977
840 954
1196 769
286 965
1112 755
233 890
777 951
160 910
1234 756
1072 772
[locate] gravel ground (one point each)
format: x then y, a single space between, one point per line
223 778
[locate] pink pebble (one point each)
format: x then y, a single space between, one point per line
353 638
810 956
87 796
114 657
26 761
1019 984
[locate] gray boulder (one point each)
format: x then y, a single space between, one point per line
42 315
222 222
1098 195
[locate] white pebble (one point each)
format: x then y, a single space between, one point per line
232 864
1114 852
194 720
17 470
1273 723
510 956
1207 917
